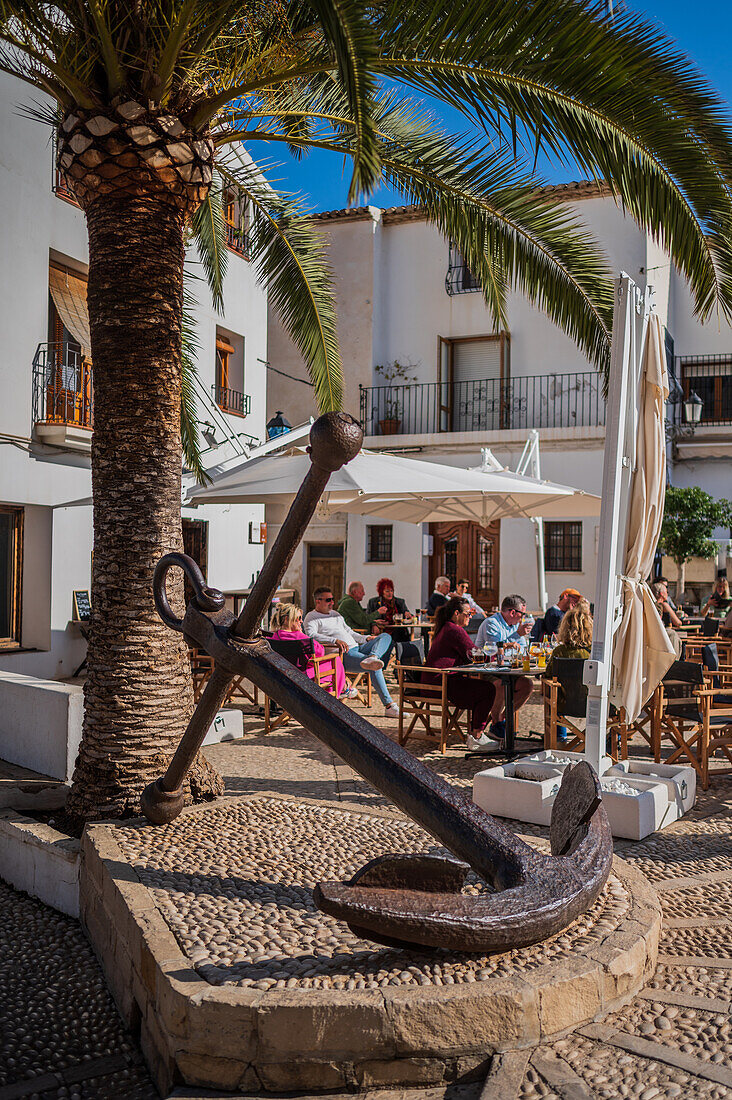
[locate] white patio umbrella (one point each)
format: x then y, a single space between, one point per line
396 487
642 652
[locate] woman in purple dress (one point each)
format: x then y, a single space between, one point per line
452 645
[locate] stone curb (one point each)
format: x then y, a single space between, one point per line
39 860
230 1038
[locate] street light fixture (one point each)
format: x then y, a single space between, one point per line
693 407
278 425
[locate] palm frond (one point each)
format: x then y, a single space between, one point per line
208 231
190 350
289 256
346 27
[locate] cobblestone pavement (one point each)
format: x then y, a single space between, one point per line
61 1036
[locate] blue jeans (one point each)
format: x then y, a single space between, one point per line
381 647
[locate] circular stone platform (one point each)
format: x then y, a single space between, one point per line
234 883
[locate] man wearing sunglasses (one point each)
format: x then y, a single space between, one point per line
359 651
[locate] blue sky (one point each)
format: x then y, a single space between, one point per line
703 30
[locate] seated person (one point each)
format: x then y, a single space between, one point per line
369 652
506 628
439 596
354 614
554 614
461 589
391 606
452 646
720 599
669 618
575 636
287 626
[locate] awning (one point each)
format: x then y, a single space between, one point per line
69 297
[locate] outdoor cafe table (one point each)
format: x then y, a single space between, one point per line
508 676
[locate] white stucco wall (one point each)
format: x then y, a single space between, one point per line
35 226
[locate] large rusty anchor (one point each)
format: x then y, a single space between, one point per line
405 900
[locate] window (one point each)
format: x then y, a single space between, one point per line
378 542
11 562
562 547
63 366
235 223
459 278
229 388
474 376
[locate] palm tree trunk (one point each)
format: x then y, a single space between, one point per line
138 694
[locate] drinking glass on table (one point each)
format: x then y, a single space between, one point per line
477 655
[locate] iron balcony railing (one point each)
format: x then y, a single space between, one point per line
536 401
62 386
709 376
236 239
232 401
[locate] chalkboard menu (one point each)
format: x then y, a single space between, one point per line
82 606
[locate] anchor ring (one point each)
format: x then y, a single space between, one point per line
205 598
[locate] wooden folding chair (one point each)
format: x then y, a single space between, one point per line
361 681
565 698
300 654
201 668
418 701
688 718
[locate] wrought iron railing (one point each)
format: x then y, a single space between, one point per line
710 376
62 386
236 239
232 401
460 279
536 401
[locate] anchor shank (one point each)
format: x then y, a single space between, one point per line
335 439
279 557
191 741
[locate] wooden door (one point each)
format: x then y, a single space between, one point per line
468 550
325 566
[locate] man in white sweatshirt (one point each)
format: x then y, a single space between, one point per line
367 651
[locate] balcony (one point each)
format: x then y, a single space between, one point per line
236 239
63 397
484 405
710 376
232 401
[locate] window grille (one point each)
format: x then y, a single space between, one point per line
562 547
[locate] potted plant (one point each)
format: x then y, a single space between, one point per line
389 402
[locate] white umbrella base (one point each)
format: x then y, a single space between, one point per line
640 797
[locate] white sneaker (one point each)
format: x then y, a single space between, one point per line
371 664
350 693
391 711
476 744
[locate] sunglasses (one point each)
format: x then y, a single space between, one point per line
327 599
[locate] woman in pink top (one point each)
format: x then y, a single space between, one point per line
287 620
452 645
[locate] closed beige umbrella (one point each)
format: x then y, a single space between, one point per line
643 653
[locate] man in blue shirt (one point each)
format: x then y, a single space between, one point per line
505 627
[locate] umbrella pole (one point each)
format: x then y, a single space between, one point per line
629 317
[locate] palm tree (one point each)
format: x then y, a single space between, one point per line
155 102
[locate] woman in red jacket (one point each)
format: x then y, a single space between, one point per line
452 645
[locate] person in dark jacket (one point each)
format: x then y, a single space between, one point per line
452 645
440 594
393 607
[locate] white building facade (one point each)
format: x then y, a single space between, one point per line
46 412
427 375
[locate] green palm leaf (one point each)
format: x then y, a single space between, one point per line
288 253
